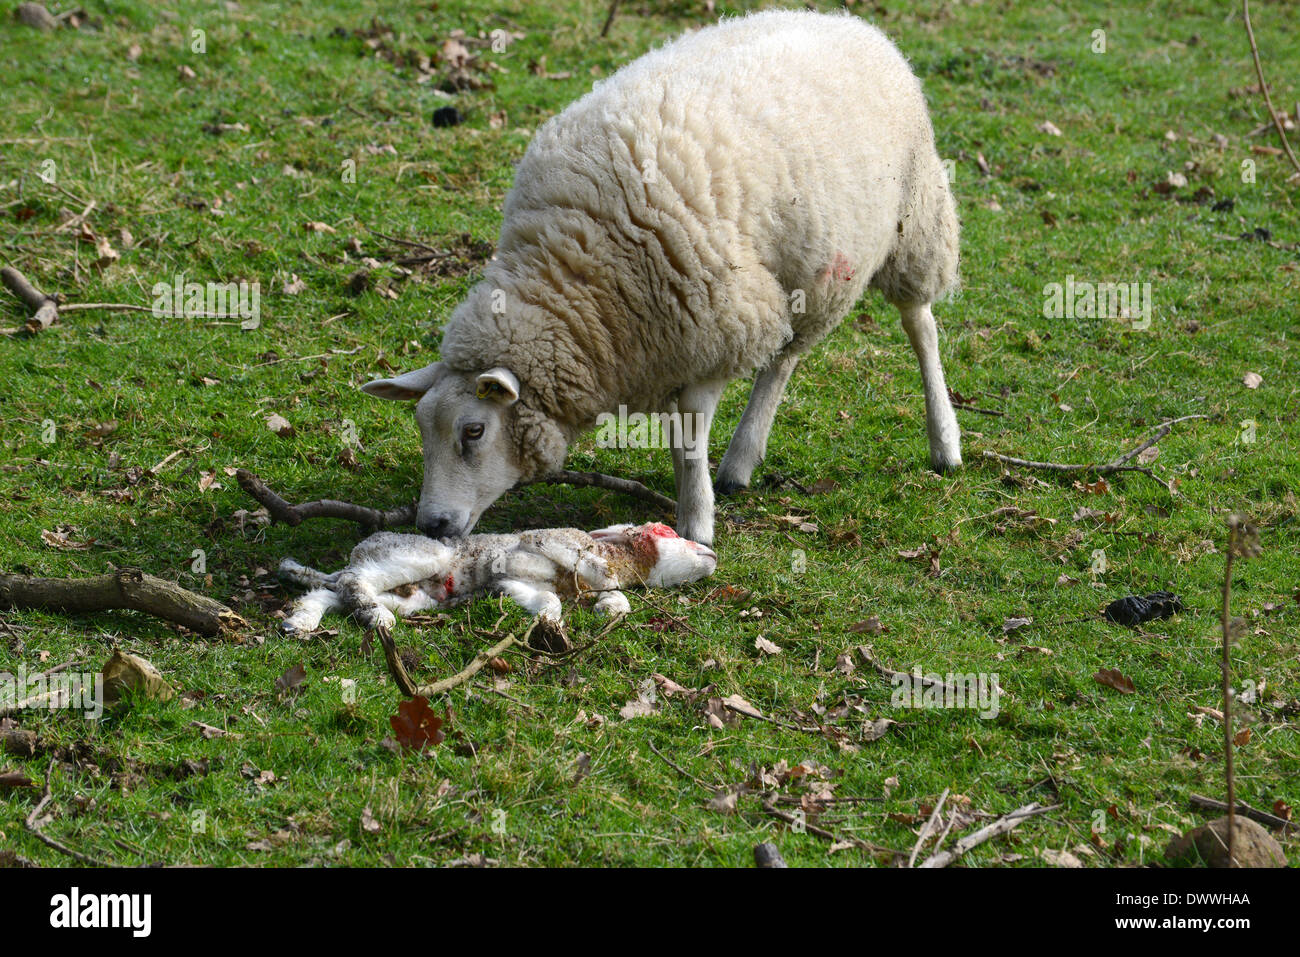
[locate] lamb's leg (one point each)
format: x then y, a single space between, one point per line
536 601
360 586
612 603
940 420
304 577
309 609
697 403
749 444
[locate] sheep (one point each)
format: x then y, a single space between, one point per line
390 574
713 209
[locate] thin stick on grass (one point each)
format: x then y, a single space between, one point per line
285 512
928 828
1002 825
34 827
1119 464
411 689
1263 88
46 309
1262 817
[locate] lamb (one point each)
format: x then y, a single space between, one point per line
714 208
390 574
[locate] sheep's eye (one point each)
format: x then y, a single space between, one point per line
473 432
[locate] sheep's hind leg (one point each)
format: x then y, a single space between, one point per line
690 441
749 444
940 420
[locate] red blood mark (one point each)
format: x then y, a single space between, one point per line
840 268
449 585
659 529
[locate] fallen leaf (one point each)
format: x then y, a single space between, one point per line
1048 127
279 425
1252 380
291 678
368 822
871 626
293 286
766 647
1111 678
131 674
415 724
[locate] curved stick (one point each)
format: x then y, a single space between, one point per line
286 512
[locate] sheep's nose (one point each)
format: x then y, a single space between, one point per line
436 526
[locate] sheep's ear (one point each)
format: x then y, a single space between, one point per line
498 384
408 385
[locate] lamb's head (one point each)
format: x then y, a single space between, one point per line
479 441
662 557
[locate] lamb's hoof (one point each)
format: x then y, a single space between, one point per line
727 485
946 466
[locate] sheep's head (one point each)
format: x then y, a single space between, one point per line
479 441
662 557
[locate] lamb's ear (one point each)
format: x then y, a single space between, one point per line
408 385
498 384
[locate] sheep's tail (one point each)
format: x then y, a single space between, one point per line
304 577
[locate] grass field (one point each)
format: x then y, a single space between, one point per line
207 166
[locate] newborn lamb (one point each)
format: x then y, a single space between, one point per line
390 574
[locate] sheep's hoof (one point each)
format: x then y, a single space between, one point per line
727 486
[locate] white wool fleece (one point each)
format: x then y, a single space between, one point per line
710 204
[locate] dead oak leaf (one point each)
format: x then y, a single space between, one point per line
1112 678
415 724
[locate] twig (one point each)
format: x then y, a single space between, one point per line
46 309
125 588
928 828
411 690
1263 817
34 828
290 514
1268 100
1002 825
372 519
1118 465
1225 666
799 823
679 769
609 18
612 482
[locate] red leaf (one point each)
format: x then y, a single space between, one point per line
415 724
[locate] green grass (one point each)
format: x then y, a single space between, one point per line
130 136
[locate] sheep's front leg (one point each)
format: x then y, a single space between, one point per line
749 444
940 420
690 441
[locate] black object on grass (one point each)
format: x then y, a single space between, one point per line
446 116
1133 610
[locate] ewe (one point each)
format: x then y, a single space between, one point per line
712 209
